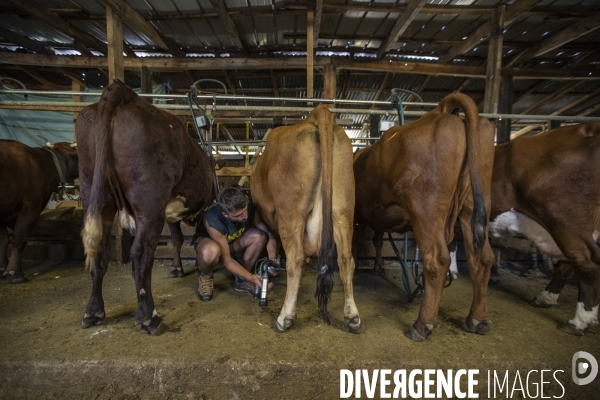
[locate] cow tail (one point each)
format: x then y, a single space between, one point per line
479 216
327 256
115 95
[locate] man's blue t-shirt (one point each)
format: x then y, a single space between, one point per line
232 231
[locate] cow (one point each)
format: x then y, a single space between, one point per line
303 187
141 162
28 177
545 187
425 177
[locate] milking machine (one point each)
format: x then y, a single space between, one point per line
262 268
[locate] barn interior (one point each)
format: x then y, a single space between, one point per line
530 66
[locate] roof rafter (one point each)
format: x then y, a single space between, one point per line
57 22
402 23
229 25
484 31
567 35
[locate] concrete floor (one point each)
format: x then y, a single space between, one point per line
226 349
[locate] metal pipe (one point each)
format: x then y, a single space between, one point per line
223 97
301 109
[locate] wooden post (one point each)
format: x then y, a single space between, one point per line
76 87
310 20
505 107
553 124
329 91
494 62
114 34
147 83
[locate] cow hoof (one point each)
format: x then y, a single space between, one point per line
538 304
475 326
92 320
572 329
494 280
16 279
287 324
176 273
3 274
378 271
156 326
353 324
415 335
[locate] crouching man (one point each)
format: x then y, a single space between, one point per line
232 233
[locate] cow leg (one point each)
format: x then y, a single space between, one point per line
23 225
436 263
177 240
291 238
585 257
3 251
94 311
378 243
343 242
142 258
549 296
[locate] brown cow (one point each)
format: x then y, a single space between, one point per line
141 162
28 176
424 177
546 188
303 188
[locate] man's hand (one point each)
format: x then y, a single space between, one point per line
254 278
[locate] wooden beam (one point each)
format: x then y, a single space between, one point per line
40 78
330 89
55 21
494 62
588 55
383 86
345 84
274 81
402 23
229 25
483 32
146 83
567 35
298 63
136 22
530 89
317 22
550 98
577 102
74 78
310 51
25 42
505 104
232 87
160 64
450 10
114 34
589 111
76 87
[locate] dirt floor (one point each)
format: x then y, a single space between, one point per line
226 349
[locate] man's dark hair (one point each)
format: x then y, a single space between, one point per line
232 200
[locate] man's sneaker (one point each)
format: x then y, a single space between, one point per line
242 285
205 287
